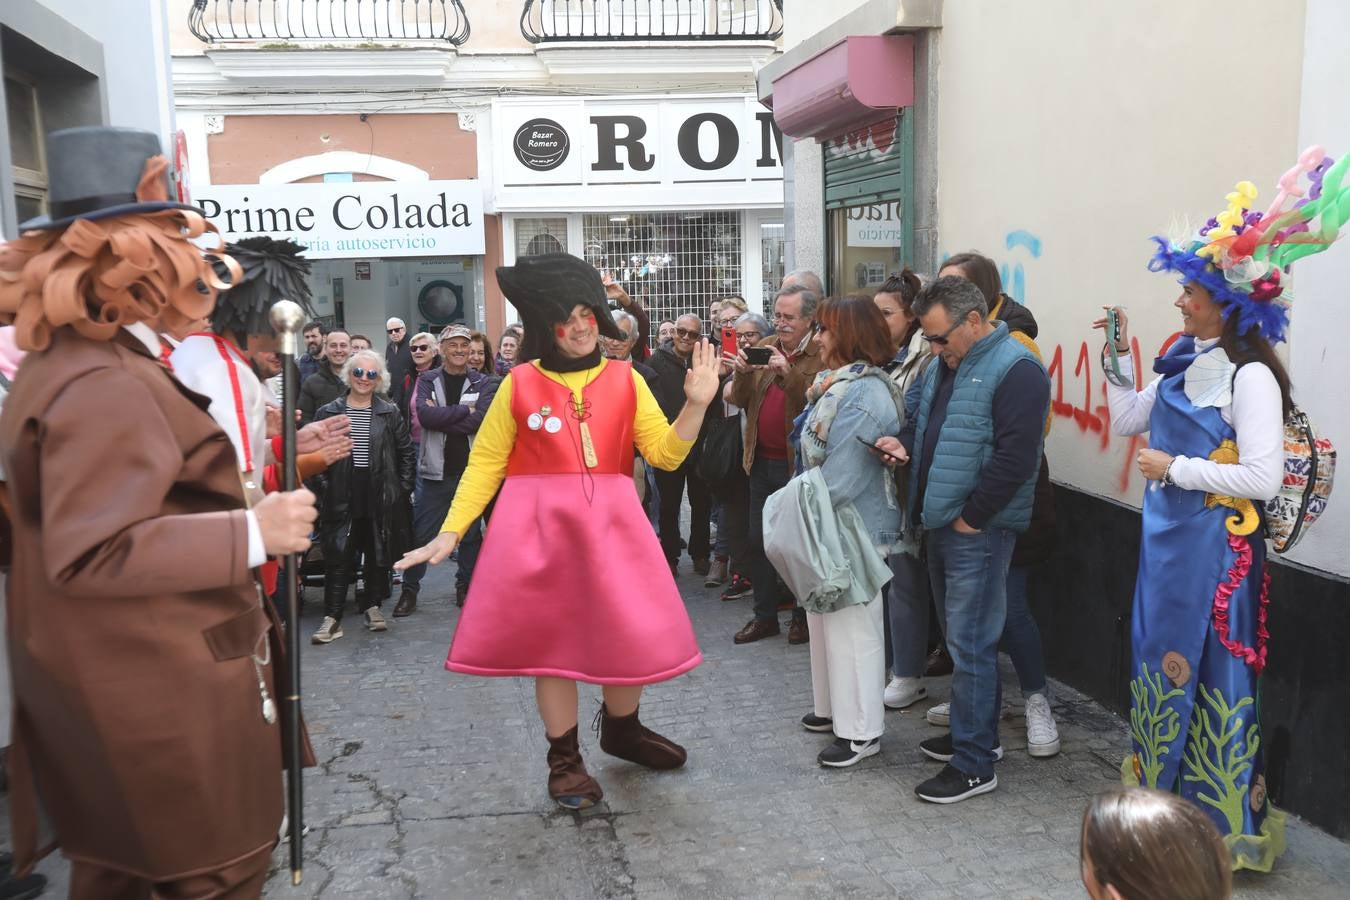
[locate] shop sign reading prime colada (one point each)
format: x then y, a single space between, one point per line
343 219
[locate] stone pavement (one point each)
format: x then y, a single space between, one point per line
432 786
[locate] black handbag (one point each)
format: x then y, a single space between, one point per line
722 456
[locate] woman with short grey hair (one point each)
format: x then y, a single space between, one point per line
367 513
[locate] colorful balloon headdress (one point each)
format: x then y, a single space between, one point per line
1242 256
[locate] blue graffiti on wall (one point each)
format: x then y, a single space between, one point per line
1011 272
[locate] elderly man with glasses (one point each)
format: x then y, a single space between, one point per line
398 359
772 395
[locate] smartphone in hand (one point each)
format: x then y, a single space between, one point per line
889 457
758 356
1113 338
729 344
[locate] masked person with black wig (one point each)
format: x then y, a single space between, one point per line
547 600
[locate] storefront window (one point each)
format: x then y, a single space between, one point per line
676 262
773 265
866 246
535 237
426 292
868 181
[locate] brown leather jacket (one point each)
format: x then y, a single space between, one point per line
132 619
748 390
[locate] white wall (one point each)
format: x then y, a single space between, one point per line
1069 133
1319 361
134 35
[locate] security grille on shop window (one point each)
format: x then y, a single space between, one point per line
676 262
535 237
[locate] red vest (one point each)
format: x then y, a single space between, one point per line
548 437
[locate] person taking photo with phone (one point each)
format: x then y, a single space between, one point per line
773 394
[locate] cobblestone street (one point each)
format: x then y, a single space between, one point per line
432 786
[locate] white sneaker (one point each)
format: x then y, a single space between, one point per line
1042 735
375 620
328 632
940 715
902 692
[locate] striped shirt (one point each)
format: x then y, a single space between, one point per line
360 436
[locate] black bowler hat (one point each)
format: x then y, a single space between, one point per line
543 289
93 173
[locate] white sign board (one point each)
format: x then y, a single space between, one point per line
877 225
588 153
353 219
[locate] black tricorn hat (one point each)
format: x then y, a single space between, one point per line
93 173
543 289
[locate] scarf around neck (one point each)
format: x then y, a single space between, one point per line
554 361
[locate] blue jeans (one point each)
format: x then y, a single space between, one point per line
1021 635
431 504
470 546
969 575
907 604
766 476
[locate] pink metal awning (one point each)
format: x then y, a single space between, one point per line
844 87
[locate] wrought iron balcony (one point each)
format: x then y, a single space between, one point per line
329 21
548 21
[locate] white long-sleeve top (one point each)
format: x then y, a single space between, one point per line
1256 414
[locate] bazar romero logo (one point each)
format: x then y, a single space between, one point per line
541 144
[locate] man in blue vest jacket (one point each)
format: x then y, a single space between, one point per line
973 436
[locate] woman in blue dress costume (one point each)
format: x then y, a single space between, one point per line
1215 419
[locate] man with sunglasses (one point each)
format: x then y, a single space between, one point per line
451 402
973 438
398 359
671 364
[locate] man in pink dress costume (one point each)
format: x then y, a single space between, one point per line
546 600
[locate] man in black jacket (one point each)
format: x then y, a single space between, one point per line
324 386
398 359
671 363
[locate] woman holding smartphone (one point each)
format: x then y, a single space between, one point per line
851 404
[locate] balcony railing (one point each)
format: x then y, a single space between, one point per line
547 21
329 21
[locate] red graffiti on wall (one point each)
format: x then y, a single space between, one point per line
1096 419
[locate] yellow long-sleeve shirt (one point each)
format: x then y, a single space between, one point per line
656 440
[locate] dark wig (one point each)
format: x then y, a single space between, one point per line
273 270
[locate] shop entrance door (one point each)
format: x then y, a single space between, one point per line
766 258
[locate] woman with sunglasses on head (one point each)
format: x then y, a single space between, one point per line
367 513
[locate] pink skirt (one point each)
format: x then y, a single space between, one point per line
572 589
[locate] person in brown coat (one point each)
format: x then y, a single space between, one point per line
772 395
145 722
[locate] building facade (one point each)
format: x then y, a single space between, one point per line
68 63
634 141
1056 137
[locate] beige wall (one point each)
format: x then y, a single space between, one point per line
250 145
1088 127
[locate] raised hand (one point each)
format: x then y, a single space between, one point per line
1123 339
434 553
702 380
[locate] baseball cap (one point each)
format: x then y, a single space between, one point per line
455 331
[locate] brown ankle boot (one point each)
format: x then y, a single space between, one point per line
569 784
627 738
